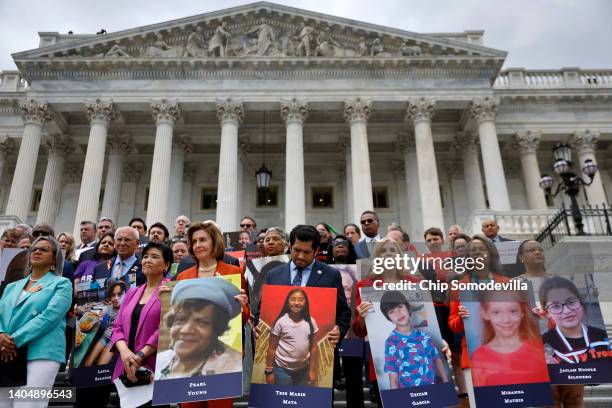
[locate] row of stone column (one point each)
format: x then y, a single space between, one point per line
165 191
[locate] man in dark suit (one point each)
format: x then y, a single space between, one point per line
369 225
491 231
305 270
125 266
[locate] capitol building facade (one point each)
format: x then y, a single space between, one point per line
177 117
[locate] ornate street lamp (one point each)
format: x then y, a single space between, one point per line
263 175
570 182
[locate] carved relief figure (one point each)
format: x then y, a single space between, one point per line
117 51
376 47
410 51
161 49
265 38
362 47
303 39
196 45
328 47
219 41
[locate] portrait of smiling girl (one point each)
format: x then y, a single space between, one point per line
511 350
571 339
291 358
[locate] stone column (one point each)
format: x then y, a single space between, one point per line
189 173
181 145
119 146
58 146
467 144
406 145
131 177
294 113
356 114
230 113
244 147
420 111
483 110
165 114
7 149
34 114
344 144
585 142
527 142
100 114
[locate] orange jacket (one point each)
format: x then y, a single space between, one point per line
222 269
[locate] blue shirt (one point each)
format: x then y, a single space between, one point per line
305 272
127 264
412 357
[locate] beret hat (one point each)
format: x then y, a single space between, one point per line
216 290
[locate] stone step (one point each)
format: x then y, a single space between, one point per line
599 396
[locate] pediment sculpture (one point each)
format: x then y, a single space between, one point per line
259 37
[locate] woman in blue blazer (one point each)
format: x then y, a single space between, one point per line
33 314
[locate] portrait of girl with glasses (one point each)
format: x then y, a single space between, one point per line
571 340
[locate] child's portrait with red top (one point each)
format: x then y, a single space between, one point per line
510 349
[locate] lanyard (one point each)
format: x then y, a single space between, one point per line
585 336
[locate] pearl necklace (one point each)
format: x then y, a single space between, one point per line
209 269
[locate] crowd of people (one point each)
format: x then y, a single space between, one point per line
136 261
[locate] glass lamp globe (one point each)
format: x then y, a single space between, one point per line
546 182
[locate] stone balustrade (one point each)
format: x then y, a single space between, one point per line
512 224
517 78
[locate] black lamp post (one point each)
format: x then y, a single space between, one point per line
570 182
263 175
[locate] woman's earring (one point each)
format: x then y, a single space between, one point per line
52 267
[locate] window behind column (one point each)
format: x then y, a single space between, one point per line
322 197
268 198
36 196
380 197
208 198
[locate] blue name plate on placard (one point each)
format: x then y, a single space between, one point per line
434 395
517 395
94 376
590 372
351 348
201 388
272 396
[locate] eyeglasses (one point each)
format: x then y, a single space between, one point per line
126 240
340 242
246 225
367 221
557 308
36 234
42 250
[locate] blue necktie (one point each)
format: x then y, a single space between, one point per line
297 280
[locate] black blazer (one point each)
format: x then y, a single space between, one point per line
322 276
134 277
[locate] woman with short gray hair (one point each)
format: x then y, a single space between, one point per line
33 316
275 242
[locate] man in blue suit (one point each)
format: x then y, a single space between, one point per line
369 225
305 270
125 266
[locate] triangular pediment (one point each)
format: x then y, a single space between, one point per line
257 31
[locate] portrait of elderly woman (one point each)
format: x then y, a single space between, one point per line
199 313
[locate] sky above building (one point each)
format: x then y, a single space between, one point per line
538 34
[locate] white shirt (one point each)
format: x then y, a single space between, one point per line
368 239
